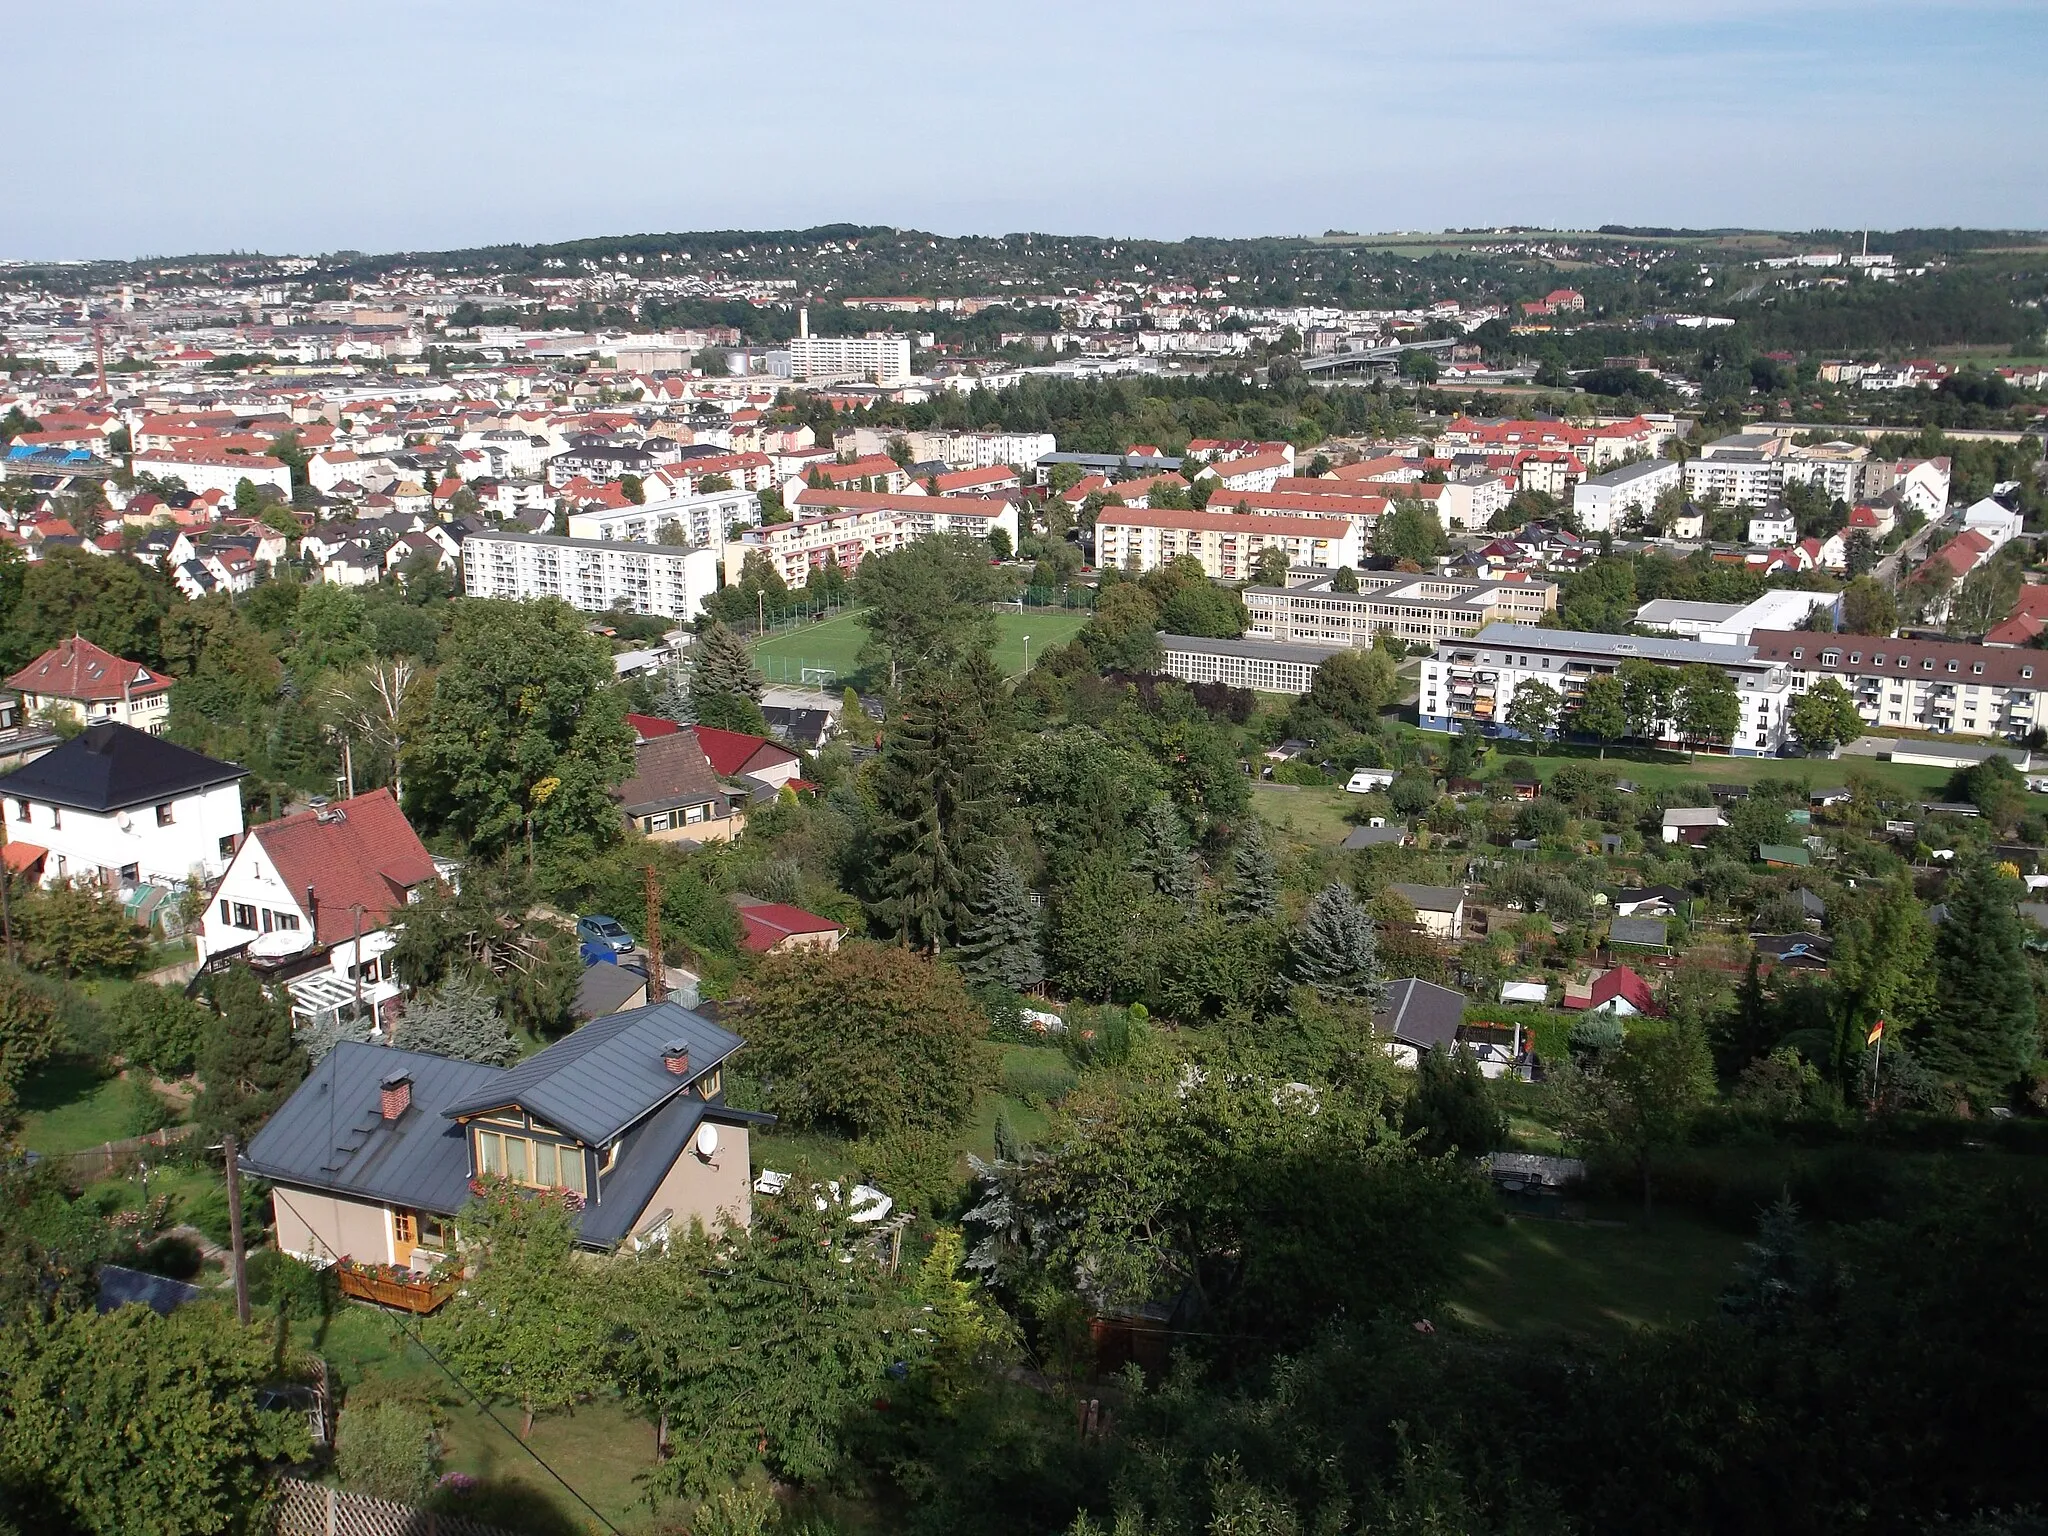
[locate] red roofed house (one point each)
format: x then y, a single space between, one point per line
773 928
736 755
2029 617
79 679
1620 992
306 894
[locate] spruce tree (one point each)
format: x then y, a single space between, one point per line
1452 1107
935 809
1335 950
725 690
1254 888
1981 1033
249 1063
672 695
1162 857
459 1018
999 936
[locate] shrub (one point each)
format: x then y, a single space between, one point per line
1038 1083
142 1109
177 1257
386 1449
916 1169
294 1288
1299 773
157 1028
1596 1032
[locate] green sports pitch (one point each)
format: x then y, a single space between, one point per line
806 654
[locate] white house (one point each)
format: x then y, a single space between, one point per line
1998 523
119 807
1772 528
313 899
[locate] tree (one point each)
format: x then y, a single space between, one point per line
1602 710
1354 686
116 604
935 805
71 928
1253 892
1346 580
761 1343
1532 712
634 489
459 1018
1200 608
527 1327
131 1424
1639 1097
1859 554
1981 1030
1451 1107
375 703
1161 857
1995 787
999 543
1269 568
1100 931
999 936
1707 705
249 1061
525 728
1122 633
1868 608
29 1033
158 1028
871 1038
1409 531
1647 695
1825 717
1336 950
928 602
725 688
1986 596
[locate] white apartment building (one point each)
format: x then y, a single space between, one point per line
845 527
221 472
1745 478
1469 685
592 575
1922 685
1264 666
1418 609
881 358
1605 502
708 519
962 450
1227 544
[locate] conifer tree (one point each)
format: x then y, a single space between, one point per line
999 936
725 689
1335 950
1452 1106
1162 857
459 1019
250 1063
1254 888
1982 1030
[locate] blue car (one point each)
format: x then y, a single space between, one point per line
598 930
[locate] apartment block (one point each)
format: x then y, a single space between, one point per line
1265 666
707 519
1228 544
1606 501
592 575
1417 609
818 359
1469 685
1920 685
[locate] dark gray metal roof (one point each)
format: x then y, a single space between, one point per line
1421 1014
607 1075
605 988
112 767
1637 930
331 1135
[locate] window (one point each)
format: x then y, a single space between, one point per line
238 914
227 847
1855 657
56 816
1951 666
21 810
1830 658
1977 668
711 1083
526 1160
1927 665
1797 653
163 815
1877 660
131 874
2026 671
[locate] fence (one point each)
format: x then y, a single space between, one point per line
112 1157
312 1509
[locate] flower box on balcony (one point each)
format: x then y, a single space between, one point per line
393 1285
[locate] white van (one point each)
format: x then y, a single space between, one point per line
1366 780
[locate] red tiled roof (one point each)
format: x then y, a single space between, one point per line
647 727
360 852
78 669
731 751
23 857
1620 982
771 922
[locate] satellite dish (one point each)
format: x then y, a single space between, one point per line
125 822
707 1140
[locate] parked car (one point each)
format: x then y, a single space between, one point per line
599 929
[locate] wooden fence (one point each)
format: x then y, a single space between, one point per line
112 1157
312 1509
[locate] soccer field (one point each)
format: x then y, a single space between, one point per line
834 644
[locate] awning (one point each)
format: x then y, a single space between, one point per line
23 857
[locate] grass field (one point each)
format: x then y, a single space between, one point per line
1531 1277
835 643
1308 813
69 1106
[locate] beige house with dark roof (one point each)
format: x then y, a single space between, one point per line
673 795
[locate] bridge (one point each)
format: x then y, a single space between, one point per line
1373 357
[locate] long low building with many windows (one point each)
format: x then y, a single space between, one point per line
1227 544
1920 685
593 575
1416 609
1470 685
1264 666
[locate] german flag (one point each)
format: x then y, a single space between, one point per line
1876 1034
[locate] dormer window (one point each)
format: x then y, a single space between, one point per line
529 1160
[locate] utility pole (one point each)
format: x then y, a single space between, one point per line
760 614
6 880
235 1254
657 974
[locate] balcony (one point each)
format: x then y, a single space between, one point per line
393 1285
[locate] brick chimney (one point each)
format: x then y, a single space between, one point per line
394 1095
676 1057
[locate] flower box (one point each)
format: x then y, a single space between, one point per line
393 1285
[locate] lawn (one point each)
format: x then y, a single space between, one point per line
1308 813
68 1105
1532 1277
834 644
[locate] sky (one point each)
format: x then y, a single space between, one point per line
377 125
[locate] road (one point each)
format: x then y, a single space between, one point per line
1887 570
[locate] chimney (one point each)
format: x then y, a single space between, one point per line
312 913
394 1095
676 1057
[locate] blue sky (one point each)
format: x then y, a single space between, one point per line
423 124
